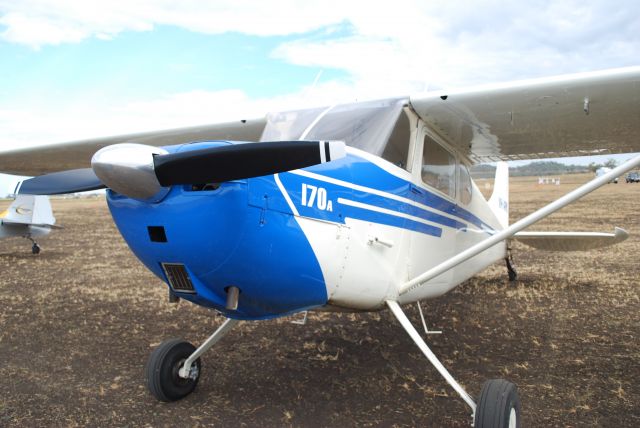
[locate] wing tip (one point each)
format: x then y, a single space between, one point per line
620 234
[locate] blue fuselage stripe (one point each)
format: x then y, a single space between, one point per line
439 203
422 213
377 201
358 213
372 185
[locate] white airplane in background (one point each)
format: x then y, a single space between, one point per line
28 217
603 170
356 207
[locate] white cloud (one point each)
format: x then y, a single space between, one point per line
455 43
391 48
53 122
418 42
41 22
37 23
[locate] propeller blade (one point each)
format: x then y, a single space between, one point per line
245 160
145 173
58 183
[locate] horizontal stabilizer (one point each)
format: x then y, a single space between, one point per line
19 223
571 241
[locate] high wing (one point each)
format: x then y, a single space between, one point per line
572 115
75 155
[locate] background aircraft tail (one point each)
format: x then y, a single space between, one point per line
29 210
499 200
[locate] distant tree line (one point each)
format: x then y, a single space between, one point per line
541 168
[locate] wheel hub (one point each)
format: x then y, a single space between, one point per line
177 368
513 418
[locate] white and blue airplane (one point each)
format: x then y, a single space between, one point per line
356 207
28 217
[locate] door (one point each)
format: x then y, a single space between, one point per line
434 190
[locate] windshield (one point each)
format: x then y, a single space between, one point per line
365 125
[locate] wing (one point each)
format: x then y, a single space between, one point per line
592 113
571 115
77 155
571 241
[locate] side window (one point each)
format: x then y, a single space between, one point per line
465 184
438 167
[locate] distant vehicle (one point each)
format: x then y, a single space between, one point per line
603 171
633 177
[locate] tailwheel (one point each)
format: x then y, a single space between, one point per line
498 406
513 275
35 248
162 371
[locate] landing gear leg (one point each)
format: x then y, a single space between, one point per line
35 248
513 275
174 367
413 333
499 404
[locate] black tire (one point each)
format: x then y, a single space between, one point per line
35 249
162 368
498 399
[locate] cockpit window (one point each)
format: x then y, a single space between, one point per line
367 126
438 167
289 125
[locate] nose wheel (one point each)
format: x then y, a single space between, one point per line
162 371
174 367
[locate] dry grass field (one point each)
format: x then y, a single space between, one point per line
78 321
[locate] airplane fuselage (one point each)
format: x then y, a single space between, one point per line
337 236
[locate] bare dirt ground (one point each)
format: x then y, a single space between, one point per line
78 322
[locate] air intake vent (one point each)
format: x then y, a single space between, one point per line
178 277
157 234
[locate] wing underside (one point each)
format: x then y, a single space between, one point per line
573 115
77 155
571 241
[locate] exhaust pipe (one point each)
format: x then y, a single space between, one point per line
233 293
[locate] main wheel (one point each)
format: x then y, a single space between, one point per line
162 369
35 249
498 406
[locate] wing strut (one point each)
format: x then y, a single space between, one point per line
519 225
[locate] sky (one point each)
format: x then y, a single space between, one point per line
75 69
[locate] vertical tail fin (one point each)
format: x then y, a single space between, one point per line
42 212
499 200
30 209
